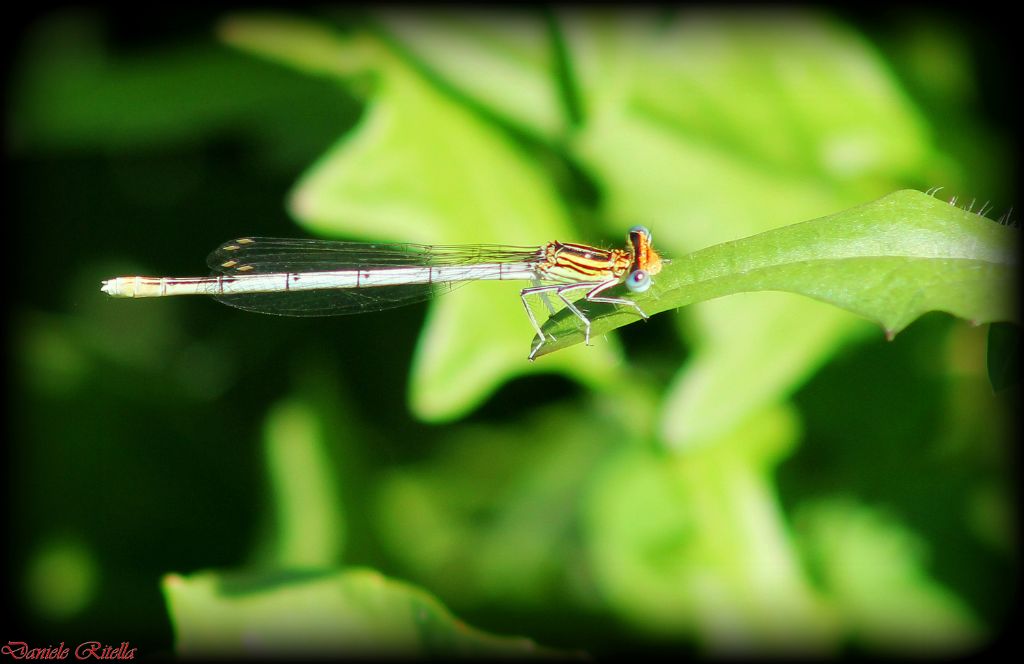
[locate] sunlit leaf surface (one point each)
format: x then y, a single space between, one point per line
889 261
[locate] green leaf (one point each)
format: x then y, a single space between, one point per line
731 374
338 614
501 59
874 569
485 502
889 261
696 544
789 92
299 43
421 167
309 521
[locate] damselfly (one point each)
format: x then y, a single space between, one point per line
324 278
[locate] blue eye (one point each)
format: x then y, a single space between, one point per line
638 281
642 229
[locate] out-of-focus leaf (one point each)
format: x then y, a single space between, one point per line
504 60
298 43
420 167
338 614
695 544
696 411
874 570
788 92
937 65
498 504
889 261
912 425
309 522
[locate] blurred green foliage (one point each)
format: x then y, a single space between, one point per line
757 473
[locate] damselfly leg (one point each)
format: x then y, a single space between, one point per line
592 295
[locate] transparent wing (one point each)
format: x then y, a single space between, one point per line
272 255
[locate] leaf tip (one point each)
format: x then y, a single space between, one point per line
301 203
236 29
173 581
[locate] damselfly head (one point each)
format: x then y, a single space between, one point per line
645 258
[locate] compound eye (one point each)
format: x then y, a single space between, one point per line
638 281
642 229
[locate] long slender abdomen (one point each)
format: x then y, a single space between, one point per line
307 281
